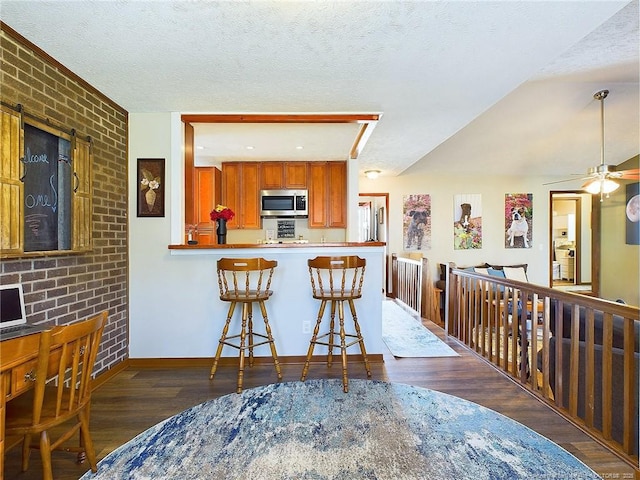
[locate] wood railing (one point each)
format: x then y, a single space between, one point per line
411 285
577 353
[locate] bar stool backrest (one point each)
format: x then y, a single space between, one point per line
337 277
245 278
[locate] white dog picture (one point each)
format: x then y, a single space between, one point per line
518 218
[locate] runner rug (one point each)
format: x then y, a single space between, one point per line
313 430
405 336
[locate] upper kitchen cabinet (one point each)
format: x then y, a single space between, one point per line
327 184
240 192
279 175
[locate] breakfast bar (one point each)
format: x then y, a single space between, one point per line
292 310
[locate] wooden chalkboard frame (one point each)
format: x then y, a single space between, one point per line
46 177
151 180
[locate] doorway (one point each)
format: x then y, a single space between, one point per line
373 225
570 241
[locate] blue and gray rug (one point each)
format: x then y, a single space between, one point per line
313 430
405 336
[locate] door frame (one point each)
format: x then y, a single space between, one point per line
595 239
387 257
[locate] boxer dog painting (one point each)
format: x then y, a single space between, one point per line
518 220
518 228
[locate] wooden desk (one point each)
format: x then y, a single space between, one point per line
18 358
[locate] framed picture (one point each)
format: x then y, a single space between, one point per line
467 221
151 187
416 224
518 220
632 214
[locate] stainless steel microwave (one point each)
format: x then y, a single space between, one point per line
283 203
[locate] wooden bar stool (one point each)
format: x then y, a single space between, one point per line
336 280
245 281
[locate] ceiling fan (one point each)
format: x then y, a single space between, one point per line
602 178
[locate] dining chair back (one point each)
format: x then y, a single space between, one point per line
61 394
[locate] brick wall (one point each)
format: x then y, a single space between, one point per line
65 288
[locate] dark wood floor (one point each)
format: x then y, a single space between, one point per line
136 399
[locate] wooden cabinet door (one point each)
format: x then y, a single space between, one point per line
241 193
327 183
208 186
337 194
272 175
207 193
317 183
249 196
231 190
295 175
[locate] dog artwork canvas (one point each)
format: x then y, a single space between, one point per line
518 220
417 222
467 221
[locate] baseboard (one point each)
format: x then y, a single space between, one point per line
232 361
109 374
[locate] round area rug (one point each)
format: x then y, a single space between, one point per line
313 430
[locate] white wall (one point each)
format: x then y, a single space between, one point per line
174 309
493 189
167 292
620 262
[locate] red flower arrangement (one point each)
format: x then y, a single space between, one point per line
221 213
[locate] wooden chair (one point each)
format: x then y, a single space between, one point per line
336 280
61 394
246 281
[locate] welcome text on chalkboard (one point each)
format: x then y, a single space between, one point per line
47 174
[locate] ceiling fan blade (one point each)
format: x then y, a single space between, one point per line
567 180
632 173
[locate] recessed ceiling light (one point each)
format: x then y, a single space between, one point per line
299 147
372 174
249 147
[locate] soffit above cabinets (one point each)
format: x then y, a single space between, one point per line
282 137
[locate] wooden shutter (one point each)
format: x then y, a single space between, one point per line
81 200
11 187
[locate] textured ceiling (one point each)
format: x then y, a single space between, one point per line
462 86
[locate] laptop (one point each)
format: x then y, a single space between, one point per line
13 317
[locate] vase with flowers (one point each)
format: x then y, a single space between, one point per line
150 183
221 215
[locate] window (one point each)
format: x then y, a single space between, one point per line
45 186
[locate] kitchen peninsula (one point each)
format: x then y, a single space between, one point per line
292 310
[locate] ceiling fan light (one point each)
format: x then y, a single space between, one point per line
372 174
601 186
609 186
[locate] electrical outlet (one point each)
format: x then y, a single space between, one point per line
306 326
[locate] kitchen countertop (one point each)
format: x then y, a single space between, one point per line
284 244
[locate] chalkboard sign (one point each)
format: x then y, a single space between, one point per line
286 229
47 168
